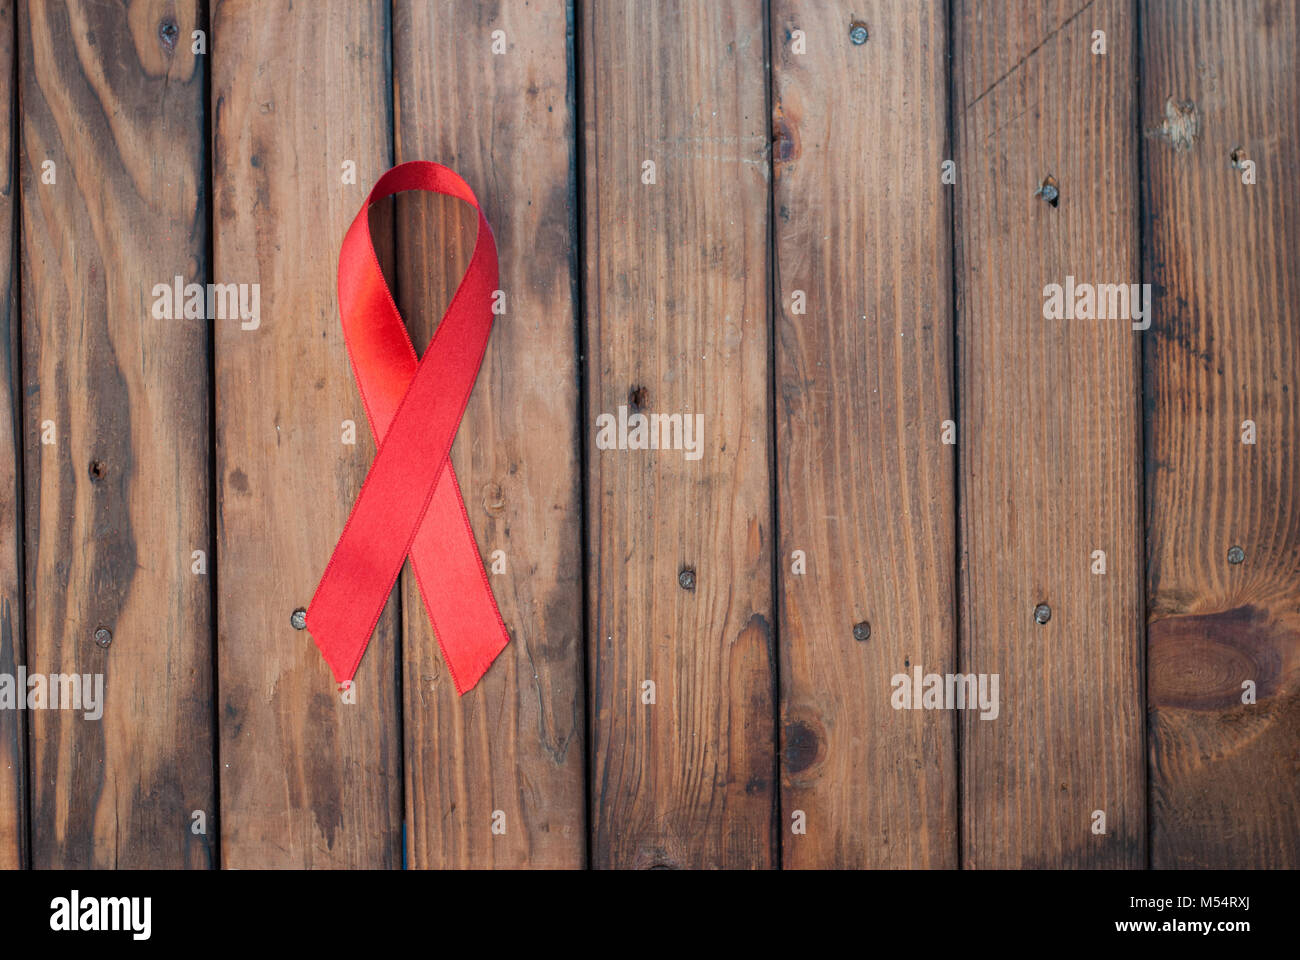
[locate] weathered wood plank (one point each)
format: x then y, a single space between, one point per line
1048 442
306 779
1224 348
676 302
118 502
13 804
864 379
515 743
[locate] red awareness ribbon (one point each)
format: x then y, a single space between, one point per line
410 502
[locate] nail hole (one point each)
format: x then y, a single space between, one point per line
298 620
861 631
637 398
1042 613
98 470
686 579
1049 190
167 33
103 637
1236 555
1238 158
858 33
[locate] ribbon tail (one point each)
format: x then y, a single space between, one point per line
454 587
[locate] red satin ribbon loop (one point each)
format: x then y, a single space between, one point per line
410 502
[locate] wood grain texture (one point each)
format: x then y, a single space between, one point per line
924 303
118 503
516 742
864 379
676 302
306 779
1049 436
13 803
1224 348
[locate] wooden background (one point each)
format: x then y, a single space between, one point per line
787 158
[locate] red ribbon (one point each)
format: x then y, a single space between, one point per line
410 502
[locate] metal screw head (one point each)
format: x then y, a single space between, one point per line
686 579
858 34
1042 613
298 620
861 631
103 636
1236 555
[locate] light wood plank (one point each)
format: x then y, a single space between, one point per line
1224 348
1048 442
864 379
13 738
117 505
676 303
307 780
516 742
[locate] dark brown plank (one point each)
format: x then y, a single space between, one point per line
1048 437
864 378
117 504
515 743
306 779
1224 348
676 302
13 805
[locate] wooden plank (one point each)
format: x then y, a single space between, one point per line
13 803
1224 348
1048 437
864 380
307 780
676 302
117 504
515 743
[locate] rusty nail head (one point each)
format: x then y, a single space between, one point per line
299 619
861 631
1042 613
1049 190
103 636
686 579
